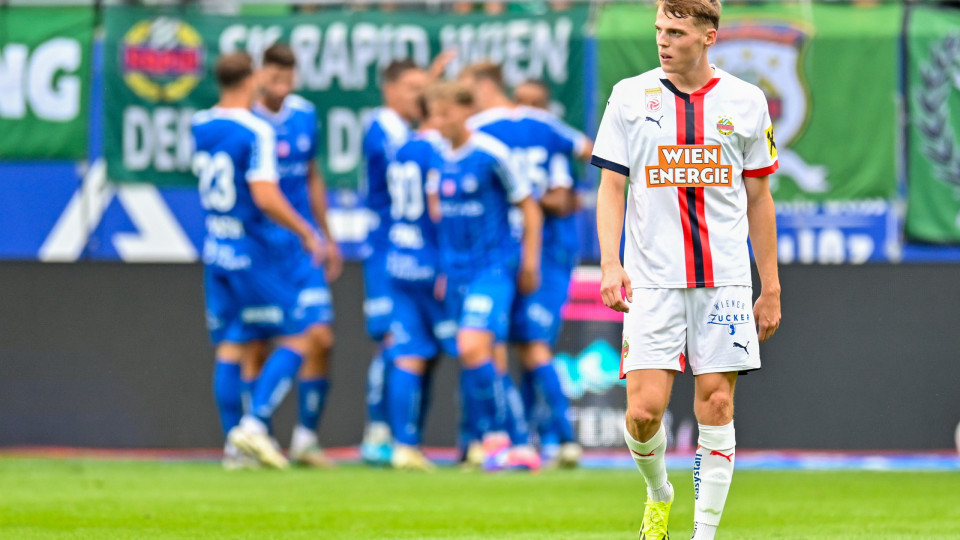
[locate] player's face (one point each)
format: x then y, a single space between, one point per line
682 43
403 94
276 82
449 118
531 95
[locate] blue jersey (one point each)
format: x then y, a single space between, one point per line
476 187
412 255
540 150
385 134
295 125
233 147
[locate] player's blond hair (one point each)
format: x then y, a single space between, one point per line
705 13
448 91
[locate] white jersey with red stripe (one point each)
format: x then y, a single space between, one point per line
686 156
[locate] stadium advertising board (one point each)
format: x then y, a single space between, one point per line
44 82
837 183
933 94
159 65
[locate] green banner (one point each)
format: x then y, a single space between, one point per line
933 93
834 142
44 82
158 69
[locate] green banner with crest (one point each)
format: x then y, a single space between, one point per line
830 76
933 96
158 67
44 81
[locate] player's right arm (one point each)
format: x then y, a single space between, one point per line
611 154
610 203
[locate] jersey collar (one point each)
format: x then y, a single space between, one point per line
717 73
275 118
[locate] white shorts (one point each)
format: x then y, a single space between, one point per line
710 328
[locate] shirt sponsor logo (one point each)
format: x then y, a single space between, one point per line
689 166
654 99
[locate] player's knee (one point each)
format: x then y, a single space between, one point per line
473 349
643 417
717 408
322 338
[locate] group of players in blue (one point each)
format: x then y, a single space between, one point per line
471 248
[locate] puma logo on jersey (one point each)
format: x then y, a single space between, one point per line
744 347
721 454
657 121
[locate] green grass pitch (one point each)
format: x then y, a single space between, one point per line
42 498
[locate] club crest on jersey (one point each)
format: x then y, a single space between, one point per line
725 125
470 183
654 99
303 142
769 54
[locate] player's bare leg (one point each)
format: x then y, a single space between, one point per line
537 360
713 465
648 393
312 389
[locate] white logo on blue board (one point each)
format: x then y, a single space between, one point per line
730 313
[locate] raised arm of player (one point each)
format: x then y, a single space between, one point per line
763 238
529 280
610 203
317 188
271 201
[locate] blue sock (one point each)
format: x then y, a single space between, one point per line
528 393
479 400
275 381
404 406
311 397
548 383
226 392
377 376
247 393
515 419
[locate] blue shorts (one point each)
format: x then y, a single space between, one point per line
483 303
537 317
378 304
315 299
247 305
420 324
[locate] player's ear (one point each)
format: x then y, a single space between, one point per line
710 37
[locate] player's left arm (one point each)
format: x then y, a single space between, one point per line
763 237
317 189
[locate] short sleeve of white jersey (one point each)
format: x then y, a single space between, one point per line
263 154
610 149
760 152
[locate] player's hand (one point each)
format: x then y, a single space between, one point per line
313 245
439 64
440 287
767 314
529 279
613 284
334 262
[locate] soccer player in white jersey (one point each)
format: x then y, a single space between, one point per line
697 146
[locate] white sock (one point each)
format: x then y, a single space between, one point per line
650 458
712 473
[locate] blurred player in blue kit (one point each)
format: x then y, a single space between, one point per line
421 329
248 293
483 262
540 150
294 120
389 128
